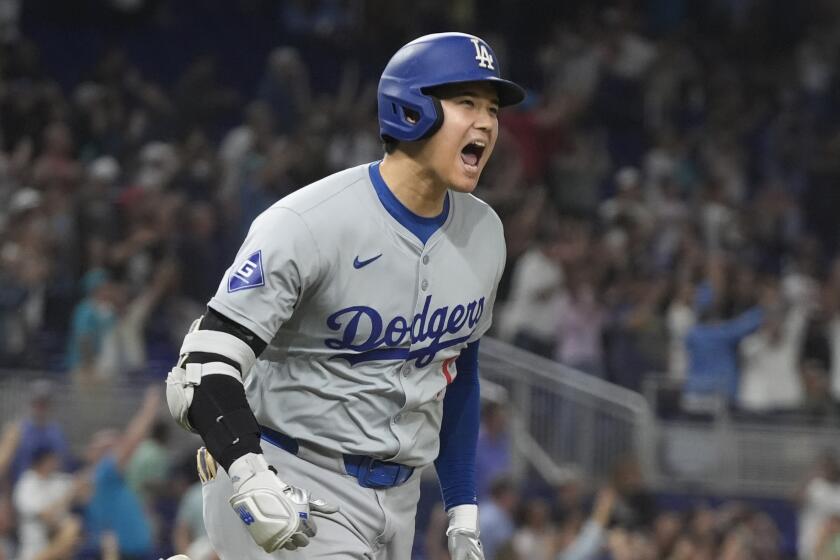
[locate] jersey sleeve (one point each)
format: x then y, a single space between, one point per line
486 318
275 265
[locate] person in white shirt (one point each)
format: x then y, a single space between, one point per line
42 499
530 319
819 501
770 376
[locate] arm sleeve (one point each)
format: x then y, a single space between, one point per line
455 464
587 544
744 324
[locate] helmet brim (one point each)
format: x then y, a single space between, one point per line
509 92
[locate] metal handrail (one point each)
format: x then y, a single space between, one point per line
548 370
577 402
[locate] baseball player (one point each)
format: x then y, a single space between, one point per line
339 356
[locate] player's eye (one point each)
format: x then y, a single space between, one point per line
494 111
468 102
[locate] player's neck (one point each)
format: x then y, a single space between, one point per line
415 185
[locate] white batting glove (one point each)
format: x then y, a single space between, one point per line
462 534
275 513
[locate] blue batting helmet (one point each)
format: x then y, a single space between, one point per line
406 111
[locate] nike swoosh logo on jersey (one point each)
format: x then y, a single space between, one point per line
359 264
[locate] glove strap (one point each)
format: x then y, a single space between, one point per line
464 516
246 467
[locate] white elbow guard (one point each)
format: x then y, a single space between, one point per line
181 381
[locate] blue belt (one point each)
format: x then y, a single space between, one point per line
370 472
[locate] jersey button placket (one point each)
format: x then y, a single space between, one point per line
424 282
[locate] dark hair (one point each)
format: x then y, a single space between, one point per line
42 452
501 485
390 145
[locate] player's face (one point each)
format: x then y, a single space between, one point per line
459 151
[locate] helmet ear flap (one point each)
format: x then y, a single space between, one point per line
412 117
408 122
438 122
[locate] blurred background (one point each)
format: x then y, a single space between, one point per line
663 377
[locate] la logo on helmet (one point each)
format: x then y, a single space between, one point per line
482 54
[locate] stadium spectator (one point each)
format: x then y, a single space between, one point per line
828 539
123 349
529 316
815 366
148 469
831 319
628 205
93 320
667 529
244 144
9 441
189 521
680 317
38 430
569 495
635 506
434 547
819 501
43 498
583 541
497 515
634 330
285 88
770 377
198 250
113 506
580 320
712 344
26 264
535 536
493 450
7 528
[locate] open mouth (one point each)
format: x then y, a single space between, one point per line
472 152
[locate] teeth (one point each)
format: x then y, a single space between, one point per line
480 143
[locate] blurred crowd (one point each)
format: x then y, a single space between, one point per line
124 495
129 494
577 516
668 192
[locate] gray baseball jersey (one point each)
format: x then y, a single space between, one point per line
364 321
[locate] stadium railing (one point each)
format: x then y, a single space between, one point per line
561 416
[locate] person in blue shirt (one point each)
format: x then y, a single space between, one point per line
39 431
93 318
114 508
493 449
712 346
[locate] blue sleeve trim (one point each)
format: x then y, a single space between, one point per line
455 464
